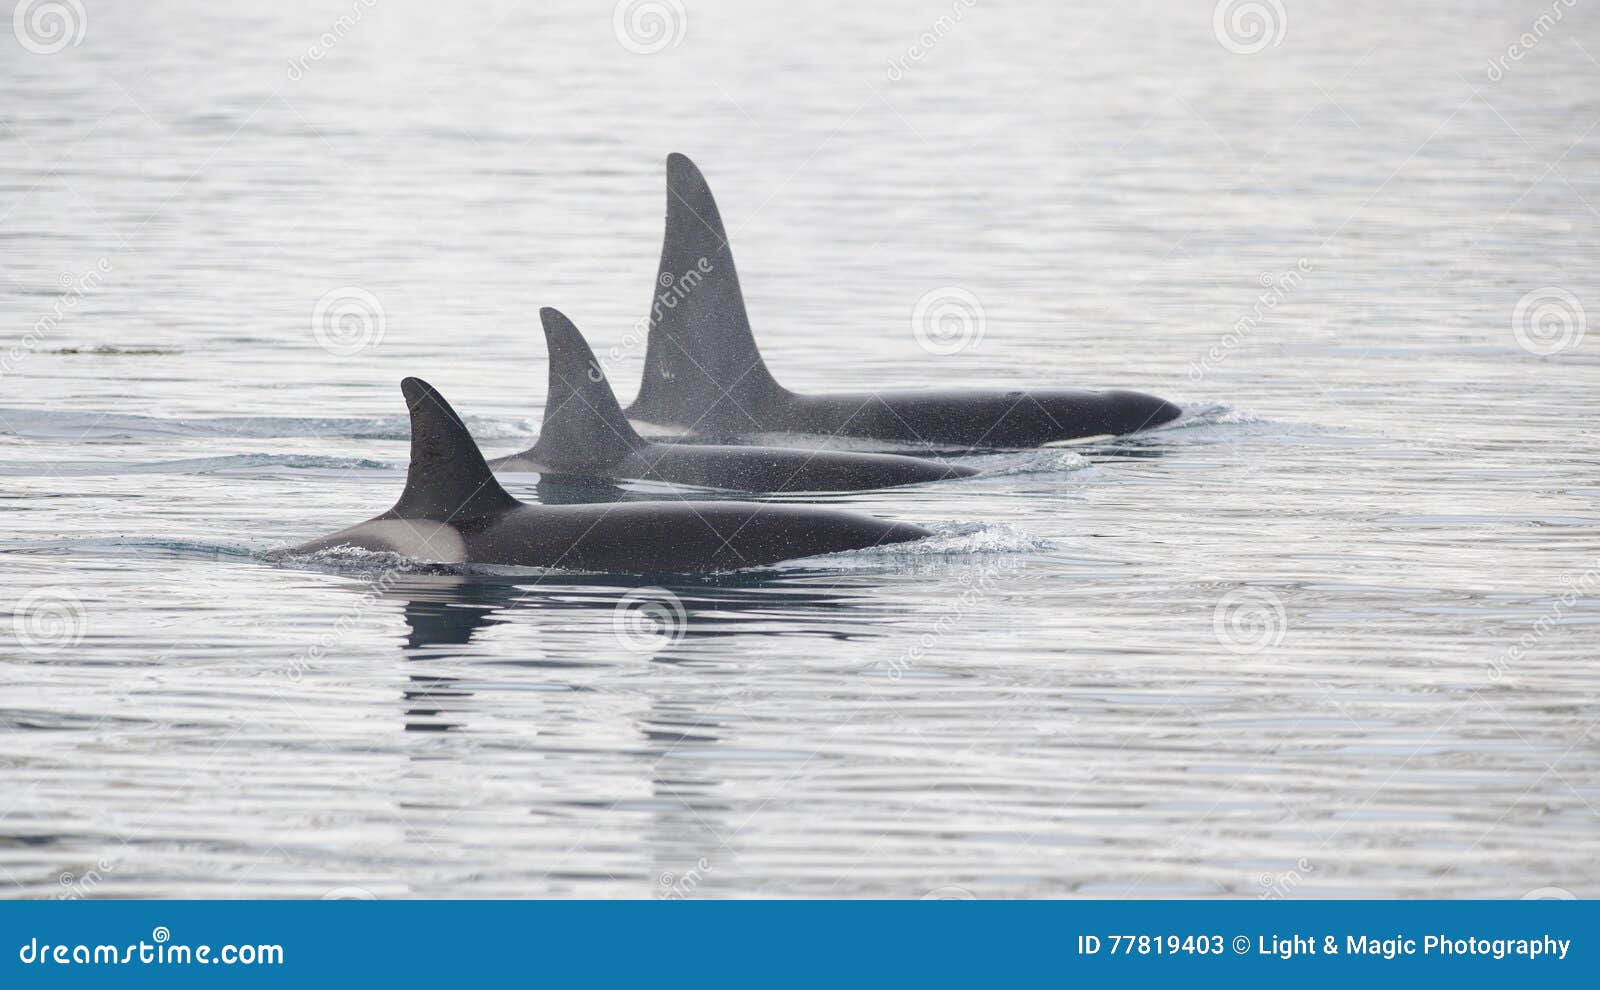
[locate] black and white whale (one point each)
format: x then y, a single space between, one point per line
704 374
453 511
586 434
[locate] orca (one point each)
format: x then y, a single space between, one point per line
704 374
454 512
585 434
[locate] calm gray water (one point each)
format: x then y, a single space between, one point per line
1333 634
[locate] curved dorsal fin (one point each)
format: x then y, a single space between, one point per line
701 367
583 425
448 480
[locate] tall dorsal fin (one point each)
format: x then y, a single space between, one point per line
701 366
447 480
583 425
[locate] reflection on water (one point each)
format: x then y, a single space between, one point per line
445 612
1334 633
683 733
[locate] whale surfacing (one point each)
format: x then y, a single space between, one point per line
454 511
585 433
703 372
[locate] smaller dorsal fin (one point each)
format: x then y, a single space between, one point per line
448 480
583 427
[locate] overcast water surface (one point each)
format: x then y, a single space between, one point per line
1335 633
